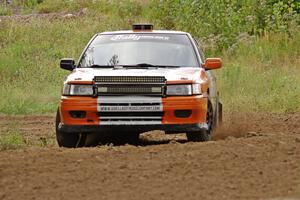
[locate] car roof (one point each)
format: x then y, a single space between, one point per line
146 32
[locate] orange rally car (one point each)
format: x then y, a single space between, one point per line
129 82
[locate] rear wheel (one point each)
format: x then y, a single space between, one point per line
204 135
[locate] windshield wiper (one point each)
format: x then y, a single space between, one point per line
169 66
140 65
137 66
147 65
106 66
100 66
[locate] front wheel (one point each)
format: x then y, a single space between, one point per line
73 140
204 135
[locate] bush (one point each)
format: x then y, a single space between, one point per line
221 22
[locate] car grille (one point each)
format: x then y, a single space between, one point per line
130 85
130 111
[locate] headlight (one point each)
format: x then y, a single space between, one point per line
80 90
183 90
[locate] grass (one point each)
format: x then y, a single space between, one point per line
4 10
11 140
260 74
29 61
263 75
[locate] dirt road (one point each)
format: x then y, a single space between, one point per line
257 157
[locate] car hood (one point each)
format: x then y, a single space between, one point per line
171 74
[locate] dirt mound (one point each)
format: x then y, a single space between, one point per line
254 156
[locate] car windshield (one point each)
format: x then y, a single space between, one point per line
143 50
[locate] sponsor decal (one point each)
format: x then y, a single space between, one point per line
135 37
129 108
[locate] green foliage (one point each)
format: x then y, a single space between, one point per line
259 41
283 13
221 22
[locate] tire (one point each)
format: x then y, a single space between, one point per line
204 135
73 140
125 138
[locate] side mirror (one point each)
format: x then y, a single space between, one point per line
213 63
67 63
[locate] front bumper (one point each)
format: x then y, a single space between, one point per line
169 128
197 105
